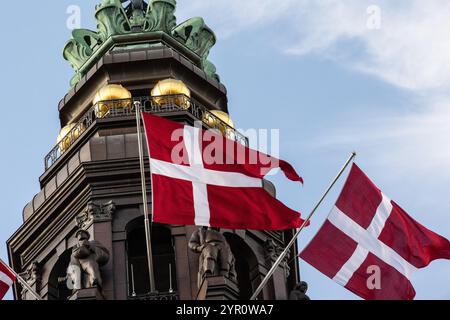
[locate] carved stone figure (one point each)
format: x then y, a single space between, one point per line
85 262
216 258
33 272
299 292
32 276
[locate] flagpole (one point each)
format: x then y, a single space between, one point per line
21 280
294 239
137 106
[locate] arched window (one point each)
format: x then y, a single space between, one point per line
248 275
57 287
163 259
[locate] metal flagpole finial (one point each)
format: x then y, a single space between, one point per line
137 106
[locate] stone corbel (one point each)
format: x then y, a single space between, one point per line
94 213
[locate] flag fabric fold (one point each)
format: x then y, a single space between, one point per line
6 279
370 245
201 178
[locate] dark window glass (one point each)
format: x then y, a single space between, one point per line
163 260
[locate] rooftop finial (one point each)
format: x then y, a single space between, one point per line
135 5
135 10
117 18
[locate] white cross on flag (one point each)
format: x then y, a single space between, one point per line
6 279
201 178
370 245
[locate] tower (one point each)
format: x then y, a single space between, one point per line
91 187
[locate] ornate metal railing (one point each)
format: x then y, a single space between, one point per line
169 296
125 108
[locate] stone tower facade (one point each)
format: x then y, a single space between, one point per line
91 182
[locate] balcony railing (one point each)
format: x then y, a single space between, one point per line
125 108
170 296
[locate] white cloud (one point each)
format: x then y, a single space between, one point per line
229 17
408 144
411 51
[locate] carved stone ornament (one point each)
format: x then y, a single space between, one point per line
137 16
32 276
32 273
95 213
273 251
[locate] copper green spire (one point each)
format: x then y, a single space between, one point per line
137 18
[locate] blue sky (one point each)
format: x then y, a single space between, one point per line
312 69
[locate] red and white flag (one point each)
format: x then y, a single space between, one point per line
370 245
6 279
201 178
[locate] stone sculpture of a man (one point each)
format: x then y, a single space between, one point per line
216 258
299 292
85 262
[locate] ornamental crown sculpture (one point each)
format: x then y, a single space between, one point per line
113 20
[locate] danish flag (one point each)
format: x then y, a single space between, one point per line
201 178
6 279
370 245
